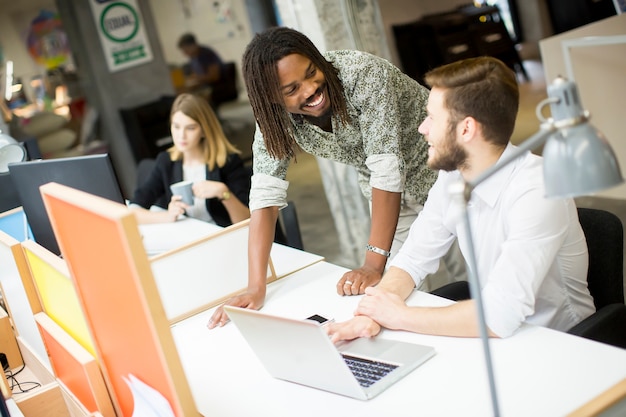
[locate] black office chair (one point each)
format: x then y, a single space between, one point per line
148 127
455 291
288 219
605 240
287 227
226 90
144 168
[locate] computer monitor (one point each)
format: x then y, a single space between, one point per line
92 173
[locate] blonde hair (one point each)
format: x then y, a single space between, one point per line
215 144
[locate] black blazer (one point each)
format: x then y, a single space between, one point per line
156 189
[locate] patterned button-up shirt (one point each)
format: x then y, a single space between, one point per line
381 140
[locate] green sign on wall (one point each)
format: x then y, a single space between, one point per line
122 34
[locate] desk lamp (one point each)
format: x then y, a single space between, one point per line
10 151
577 160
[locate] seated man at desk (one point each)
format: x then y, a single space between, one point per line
531 251
205 65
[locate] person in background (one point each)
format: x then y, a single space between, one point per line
205 65
531 251
202 154
348 106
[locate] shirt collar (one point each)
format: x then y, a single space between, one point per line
491 188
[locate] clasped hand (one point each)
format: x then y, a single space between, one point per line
378 308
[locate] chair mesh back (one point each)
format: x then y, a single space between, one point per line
605 240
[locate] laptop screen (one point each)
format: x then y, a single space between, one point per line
92 173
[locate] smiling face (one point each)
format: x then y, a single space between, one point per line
302 86
186 133
444 151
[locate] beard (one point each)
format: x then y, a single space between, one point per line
451 156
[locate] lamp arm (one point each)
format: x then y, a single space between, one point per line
476 294
529 144
463 192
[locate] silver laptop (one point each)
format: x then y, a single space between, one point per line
300 351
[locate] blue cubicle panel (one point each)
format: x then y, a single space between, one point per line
14 224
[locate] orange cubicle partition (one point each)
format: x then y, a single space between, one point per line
75 367
103 249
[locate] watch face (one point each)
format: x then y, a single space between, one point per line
226 195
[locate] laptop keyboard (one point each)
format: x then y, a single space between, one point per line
367 371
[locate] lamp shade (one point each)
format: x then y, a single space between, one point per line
578 160
10 151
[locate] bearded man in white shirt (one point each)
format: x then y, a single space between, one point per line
531 251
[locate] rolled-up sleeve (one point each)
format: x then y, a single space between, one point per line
385 172
268 191
269 187
375 94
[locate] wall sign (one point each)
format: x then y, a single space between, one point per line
122 34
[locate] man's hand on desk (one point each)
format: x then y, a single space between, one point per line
378 308
358 326
245 300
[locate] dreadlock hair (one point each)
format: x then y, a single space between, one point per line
214 143
261 77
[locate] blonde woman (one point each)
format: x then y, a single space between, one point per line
200 154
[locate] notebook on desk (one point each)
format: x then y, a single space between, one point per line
300 351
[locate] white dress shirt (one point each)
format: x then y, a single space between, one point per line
531 251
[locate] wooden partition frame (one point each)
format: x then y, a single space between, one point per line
75 367
103 248
604 402
20 294
13 222
203 274
55 292
63 328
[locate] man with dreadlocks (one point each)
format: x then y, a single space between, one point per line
347 106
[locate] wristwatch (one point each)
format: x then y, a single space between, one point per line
225 195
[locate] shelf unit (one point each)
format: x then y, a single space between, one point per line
465 32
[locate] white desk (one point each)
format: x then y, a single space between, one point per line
539 372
